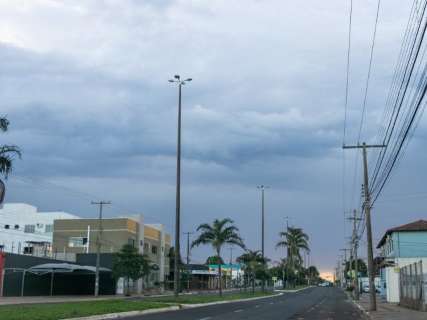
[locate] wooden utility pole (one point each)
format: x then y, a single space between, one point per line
345 264
367 209
98 244
231 265
354 241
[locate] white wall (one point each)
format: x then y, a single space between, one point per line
16 216
392 277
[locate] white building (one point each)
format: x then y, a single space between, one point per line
25 230
400 247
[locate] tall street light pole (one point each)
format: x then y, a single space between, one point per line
98 243
262 188
177 79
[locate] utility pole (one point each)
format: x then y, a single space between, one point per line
231 266
177 79
262 188
350 268
287 222
367 209
354 240
188 246
98 243
344 264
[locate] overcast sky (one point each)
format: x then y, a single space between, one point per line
84 84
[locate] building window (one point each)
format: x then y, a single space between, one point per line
16 227
29 228
146 246
28 250
48 228
6 226
131 242
77 242
153 249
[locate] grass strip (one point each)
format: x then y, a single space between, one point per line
55 311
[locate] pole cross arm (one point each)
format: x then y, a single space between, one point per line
361 146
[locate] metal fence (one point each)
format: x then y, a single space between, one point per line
413 286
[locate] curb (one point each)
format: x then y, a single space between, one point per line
361 309
293 291
120 315
199 305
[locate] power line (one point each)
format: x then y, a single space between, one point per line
400 94
369 73
345 108
348 70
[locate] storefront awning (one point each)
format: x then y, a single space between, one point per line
63 267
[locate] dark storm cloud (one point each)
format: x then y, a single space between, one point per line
85 87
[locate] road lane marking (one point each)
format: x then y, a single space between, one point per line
206 318
257 306
238 310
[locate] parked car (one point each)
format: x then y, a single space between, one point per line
366 289
324 284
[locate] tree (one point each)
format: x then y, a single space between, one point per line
295 240
214 260
218 234
130 264
361 267
7 156
253 264
313 274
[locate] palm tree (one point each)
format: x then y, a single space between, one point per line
7 155
252 261
295 240
218 234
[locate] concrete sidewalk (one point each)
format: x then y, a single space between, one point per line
389 311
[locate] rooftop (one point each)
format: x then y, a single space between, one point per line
419 225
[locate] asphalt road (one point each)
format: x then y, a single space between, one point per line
309 304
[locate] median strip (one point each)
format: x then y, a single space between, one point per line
119 308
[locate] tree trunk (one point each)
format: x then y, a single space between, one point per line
253 283
127 287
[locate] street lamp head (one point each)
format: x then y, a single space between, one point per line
177 76
170 80
189 79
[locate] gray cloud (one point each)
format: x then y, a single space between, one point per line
85 87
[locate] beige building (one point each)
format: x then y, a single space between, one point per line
72 236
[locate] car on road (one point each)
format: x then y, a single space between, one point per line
324 284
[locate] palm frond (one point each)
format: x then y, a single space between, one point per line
4 124
7 155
